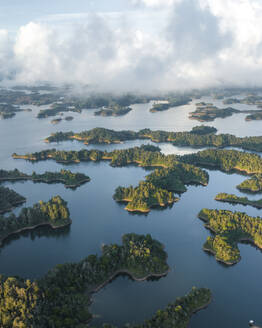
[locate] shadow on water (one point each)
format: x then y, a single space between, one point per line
44 231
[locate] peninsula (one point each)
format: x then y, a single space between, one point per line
233 199
70 179
9 199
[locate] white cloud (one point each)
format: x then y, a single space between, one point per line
165 44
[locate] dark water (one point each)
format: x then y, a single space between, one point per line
98 219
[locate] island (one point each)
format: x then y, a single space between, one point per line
53 213
56 120
230 228
162 105
248 100
70 179
199 136
254 117
233 199
8 110
9 199
226 161
113 111
56 108
252 185
143 197
169 176
61 298
69 118
208 113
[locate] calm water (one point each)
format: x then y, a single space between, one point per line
98 219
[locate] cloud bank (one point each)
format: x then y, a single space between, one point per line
159 45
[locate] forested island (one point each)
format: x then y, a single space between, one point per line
170 176
8 110
9 199
233 199
70 179
57 108
254 117
199 136
248 100
53 213
252 185
116 110
208 113
61 298
169 103
230 228
226 160
143 197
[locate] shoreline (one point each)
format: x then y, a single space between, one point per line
14 205
127 272
29 178
2 240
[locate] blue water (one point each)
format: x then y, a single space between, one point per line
98 219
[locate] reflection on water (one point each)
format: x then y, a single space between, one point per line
98 219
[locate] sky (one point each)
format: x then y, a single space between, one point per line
132 45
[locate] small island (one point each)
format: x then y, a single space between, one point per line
208 113
56 108
254 117
9 199
53 213
56 120
70 179
162 105
233 199
252 185
144 197
230 228
69 118
115 110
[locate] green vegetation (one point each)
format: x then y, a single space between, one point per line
53 213
8 110
248 100
159 185
230 228
252 185
61 298
143 197
57 108
179 313
224 197
170 102
254 117
69 118
199 136
116 110
70 179
9 199
209 113
226 160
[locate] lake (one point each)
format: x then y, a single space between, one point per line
98 219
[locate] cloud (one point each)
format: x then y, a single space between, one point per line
167 44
